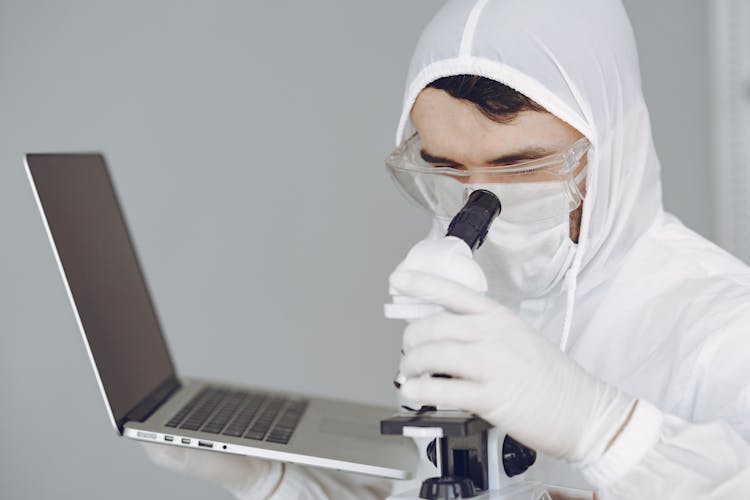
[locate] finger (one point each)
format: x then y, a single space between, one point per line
441 326
451 358
222 468
167 456
230 470
446 393
447 293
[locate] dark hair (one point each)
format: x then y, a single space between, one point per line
496 101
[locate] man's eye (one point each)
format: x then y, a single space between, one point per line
455 167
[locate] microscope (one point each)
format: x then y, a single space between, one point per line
466 450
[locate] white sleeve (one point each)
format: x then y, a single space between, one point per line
294 482
663 456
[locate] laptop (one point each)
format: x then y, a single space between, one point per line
145 398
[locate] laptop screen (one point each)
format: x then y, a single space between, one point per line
107 286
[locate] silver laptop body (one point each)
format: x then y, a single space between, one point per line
145 398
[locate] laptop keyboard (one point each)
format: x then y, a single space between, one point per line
231 412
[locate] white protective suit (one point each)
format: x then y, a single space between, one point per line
647 305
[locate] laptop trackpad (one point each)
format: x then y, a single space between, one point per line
342 426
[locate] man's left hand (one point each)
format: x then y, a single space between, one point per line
505 372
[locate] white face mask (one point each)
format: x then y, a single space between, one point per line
524 260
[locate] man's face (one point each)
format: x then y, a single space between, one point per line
454 133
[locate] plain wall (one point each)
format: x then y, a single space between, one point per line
246 141
673 45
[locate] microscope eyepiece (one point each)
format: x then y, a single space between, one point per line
473 221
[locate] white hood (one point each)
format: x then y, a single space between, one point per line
577 59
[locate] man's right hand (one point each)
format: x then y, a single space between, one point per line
245 477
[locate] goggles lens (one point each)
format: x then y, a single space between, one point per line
541 189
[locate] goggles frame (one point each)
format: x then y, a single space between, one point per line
405 162
566 160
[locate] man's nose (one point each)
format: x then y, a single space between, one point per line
474 176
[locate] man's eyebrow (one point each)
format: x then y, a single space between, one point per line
435 159
526 154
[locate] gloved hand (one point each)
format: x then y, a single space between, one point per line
506 372
245 477
448 257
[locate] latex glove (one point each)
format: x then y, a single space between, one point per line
506 372
448 257
245 477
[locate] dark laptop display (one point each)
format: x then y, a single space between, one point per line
105 280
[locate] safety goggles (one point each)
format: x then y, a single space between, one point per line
529 191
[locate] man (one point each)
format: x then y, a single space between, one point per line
649 393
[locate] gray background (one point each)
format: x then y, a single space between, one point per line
210 113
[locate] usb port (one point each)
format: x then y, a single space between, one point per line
185 441
168 438
205 444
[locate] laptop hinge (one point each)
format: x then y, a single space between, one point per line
151 403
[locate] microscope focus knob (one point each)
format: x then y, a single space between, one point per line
516 457
432 452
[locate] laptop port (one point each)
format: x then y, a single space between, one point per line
169 438
205 444
185 441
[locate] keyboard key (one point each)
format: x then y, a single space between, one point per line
246 415
196 419
183 412
268 415
286 425
257 435
226 411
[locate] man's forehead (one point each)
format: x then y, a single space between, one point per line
456 129
507 142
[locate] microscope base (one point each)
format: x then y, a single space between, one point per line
525 490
